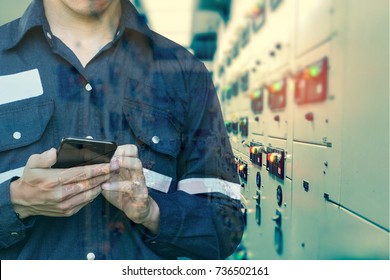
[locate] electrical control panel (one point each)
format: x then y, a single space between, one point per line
299 92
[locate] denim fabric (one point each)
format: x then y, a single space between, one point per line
140 89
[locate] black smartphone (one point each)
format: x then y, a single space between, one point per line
83 151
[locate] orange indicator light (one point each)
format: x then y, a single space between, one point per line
306 74
273 157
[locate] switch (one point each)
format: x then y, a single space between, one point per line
279 196
255 153
277 218
306 186
258 180
258 215
276 161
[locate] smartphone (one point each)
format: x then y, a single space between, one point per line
82 151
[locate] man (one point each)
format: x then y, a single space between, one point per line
93 69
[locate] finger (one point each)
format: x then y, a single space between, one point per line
126 151
131 163
136 189
43 160
67 206
69 190
122 152
77 174
70 206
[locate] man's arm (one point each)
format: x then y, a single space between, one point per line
45 191
203 219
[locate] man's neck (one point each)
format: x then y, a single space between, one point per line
84 34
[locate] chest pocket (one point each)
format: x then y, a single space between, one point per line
24 122
154 127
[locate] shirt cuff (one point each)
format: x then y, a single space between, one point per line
12 229
171 219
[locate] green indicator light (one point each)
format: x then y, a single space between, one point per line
228 88
314 71
256 94
278 86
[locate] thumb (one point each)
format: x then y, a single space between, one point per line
44 160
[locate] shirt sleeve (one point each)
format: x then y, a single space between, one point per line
203 219
12 229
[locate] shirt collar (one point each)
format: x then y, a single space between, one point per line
131 19
34 16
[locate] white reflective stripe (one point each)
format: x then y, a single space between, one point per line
208 185
157 181
12 173
20 86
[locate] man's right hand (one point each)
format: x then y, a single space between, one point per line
56 192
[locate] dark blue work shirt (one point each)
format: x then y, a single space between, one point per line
139 89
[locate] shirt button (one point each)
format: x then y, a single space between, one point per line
14 234
48 35
90 256
88 87
17 135
89 137
155 139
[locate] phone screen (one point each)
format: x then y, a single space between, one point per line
80 152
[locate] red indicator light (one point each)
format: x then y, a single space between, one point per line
309 117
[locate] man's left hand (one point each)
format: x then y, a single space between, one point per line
127 190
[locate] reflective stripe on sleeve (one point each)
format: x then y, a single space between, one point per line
18 172
157 181
208 185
